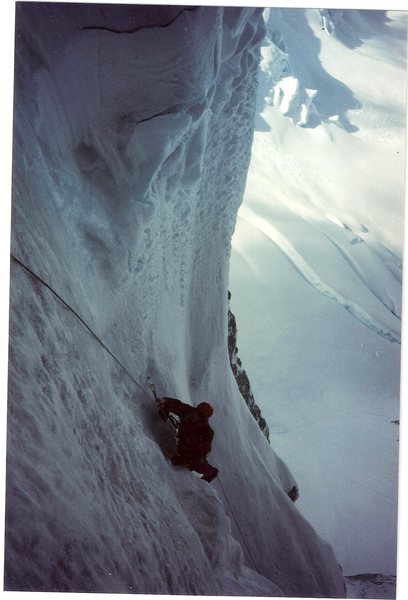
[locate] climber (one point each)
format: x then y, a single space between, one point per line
194 435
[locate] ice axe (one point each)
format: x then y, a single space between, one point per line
172 420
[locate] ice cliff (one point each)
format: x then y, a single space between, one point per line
133 128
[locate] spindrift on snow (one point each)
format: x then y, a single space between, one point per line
193 433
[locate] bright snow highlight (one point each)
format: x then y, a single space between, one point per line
317 268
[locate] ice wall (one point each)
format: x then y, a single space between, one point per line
133 128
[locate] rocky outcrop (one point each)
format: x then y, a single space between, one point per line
240 374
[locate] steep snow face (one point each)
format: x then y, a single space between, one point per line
133 128
317 268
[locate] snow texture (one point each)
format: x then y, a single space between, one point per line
133 131
316 271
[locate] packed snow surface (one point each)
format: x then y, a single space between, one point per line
317 267
133 130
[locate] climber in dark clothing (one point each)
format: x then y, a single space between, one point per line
194 435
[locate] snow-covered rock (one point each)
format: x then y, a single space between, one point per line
133 130
240 374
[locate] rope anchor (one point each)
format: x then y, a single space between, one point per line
151 386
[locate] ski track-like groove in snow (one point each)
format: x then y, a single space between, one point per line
312 278
357 271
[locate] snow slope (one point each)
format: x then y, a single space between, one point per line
317 267
132 138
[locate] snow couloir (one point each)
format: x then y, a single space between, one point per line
133 128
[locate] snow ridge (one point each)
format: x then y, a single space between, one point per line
284 88
311 276
302 91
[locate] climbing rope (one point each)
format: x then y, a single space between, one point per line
74 312
237 524
151 385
